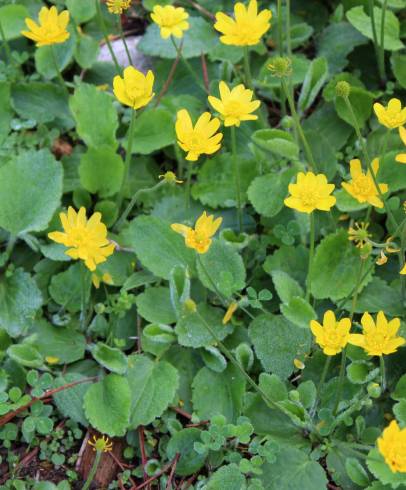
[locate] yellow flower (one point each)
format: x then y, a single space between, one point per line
199 238
392 446
362 186
101 444
118 6
333 335
51 28
134 89
380 338
202 138
403 271
87 239
235 105
247 27
232 308
359 234
170 178
391 116
401 157
310 192
97 280
171 20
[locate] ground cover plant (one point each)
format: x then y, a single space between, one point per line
203 233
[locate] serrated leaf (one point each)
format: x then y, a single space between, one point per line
153 386
107 405
111 358
153 129
399 409
66 290
278 142
377 466
182 443
20 299
24 206
277 343
314 80
273 387
228 477
70 401
12 19
26 355
286 287
158 247
225 268
356 472
154 304
299 312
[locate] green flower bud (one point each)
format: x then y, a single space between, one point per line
374 390
343 89
280 67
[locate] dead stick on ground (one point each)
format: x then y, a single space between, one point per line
175 462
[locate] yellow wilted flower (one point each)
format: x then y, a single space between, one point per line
310 192
118 6
52 359
235 105
232 308
247 27
392 446
401 157
199 238
359 234
170 178
171 20
333 335
362 186
391 116
378 338
382 259
135 88
298 364
202 138
106 278
87 238
101 444
51 29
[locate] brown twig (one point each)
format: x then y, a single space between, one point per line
45 397
182 412
202 9
121 465
170 76
141 439
160 473
174 463
205 72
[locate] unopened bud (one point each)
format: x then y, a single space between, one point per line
280 67
343 89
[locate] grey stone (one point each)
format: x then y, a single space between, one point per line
140 61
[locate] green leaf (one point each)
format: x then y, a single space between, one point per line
6 113
225 268
45 56
361 21
191 329
292 260
20 299
24 206
110 358
267 192
392 172
153 386
335 267
299 312
308 392
214 359
356 472
158 247
398 62
323 153
70 401
360 372
346 203
399 409
277 343
286 287
81 11
273 387
86 50
153 129
107 405
95 116
377 466
26 355
400 390
361 101
293 469
66 290
215 180
62 342
218 393
278 142
200 38
182 443
315 78
101 171
12 20
227 477
43 102
154 304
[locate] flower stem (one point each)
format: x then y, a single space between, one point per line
359 281
92 471
311 253
280 27
236 177
320 385
188 66
382 44
122 36
188 183
83 286
58 71
296 119
127 160
247 68
6 45
102 26
383 374
288 40
375 37
131 204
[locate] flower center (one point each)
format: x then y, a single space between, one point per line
364 186
79 237
233 108
194 141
